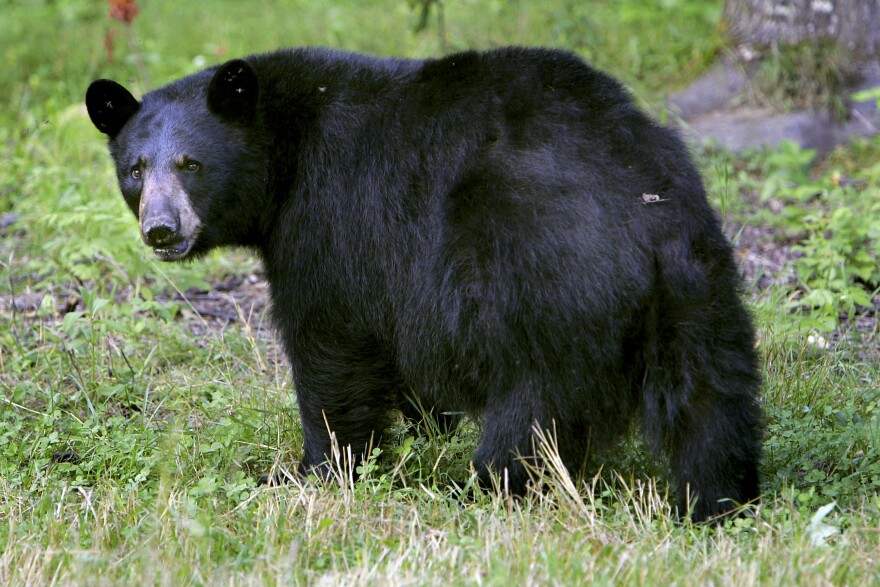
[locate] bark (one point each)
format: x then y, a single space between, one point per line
853 24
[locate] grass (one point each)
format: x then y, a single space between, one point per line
135 417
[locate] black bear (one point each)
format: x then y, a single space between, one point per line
498 233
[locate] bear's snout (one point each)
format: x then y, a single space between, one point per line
167 220
161 231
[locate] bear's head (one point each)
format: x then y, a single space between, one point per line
188 158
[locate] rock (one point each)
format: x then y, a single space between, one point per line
711 92
707 112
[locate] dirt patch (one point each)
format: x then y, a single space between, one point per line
236 299
764 260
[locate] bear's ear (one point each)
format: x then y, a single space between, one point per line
233 92
110 106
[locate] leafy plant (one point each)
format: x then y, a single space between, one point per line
839 267
831 216
826 454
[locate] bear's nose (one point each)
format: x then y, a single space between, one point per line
161 231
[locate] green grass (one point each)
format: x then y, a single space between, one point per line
133 428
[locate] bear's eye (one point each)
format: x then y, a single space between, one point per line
136 173
193 166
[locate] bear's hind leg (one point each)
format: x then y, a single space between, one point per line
715 457
701 404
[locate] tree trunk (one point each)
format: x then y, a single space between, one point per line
854 25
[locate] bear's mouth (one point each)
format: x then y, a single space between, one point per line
173 252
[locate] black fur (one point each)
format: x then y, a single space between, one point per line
480 232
